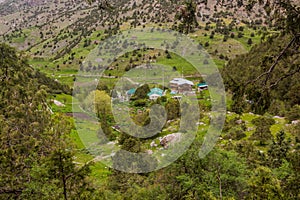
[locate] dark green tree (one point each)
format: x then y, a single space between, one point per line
187 15
141 92
173 109
262 131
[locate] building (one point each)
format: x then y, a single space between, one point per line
130 93
202 86
181 85
155 93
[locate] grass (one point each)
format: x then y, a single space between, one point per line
66 100
66 72
180 63
99 171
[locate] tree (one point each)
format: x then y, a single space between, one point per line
263 185
271 58
293 113
262 131
291 188
98 102
249 42
173 109
58 177
187 15
141 92
278 150
227 173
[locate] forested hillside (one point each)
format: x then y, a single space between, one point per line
259 87
36 155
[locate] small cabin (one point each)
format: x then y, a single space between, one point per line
181 85
202 86
155 93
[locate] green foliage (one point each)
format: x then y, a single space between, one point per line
262 130
141 92
173 109
187 15
234 129
278 150
37 160
31 138
254 87
263 185
293 113
140 103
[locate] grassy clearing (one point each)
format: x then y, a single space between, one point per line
180 63
67 100
100 171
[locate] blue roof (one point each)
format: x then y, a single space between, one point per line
131 91
157 91
202 84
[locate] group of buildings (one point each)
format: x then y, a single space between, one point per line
178 86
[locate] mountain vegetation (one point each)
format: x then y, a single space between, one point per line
52 107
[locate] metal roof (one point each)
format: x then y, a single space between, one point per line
131 91
181 81
202 84
157 91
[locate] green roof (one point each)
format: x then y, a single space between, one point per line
131 91
157 91
202 84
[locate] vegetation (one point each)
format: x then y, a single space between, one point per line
36 157
44 154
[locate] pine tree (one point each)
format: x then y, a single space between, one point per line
187 15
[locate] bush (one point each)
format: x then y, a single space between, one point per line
240 35
140 102
249 42
293 113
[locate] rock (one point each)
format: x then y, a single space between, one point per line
278 117
58 103
111 143
153 144
250 129
239 121
166 140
